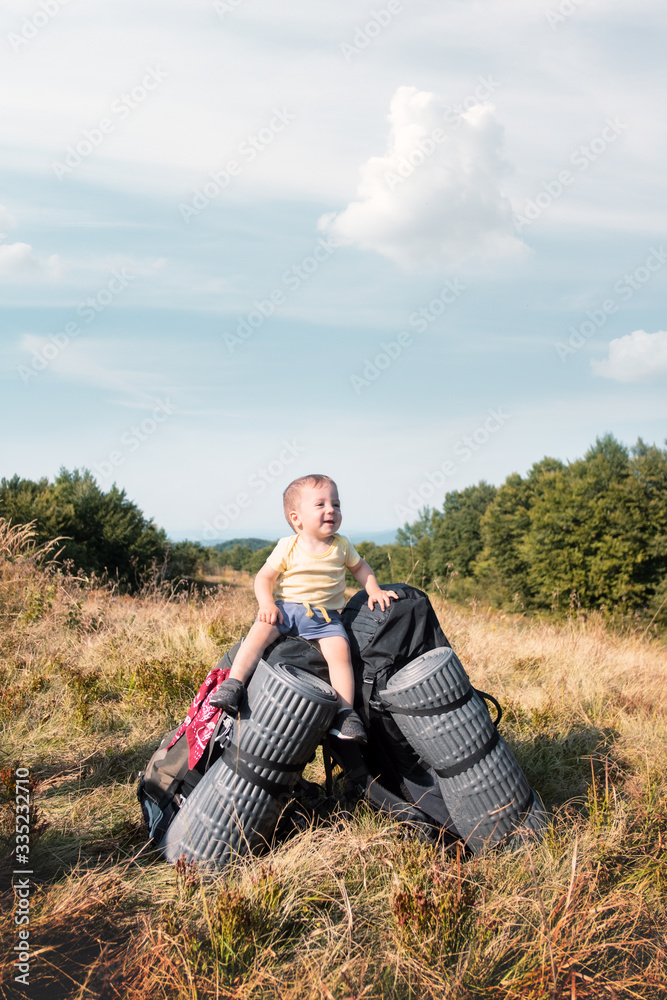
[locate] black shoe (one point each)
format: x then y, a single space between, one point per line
228 696
348 726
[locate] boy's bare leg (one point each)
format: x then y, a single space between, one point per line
347 725
261 634
336 651
229 695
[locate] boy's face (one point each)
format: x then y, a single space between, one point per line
317 511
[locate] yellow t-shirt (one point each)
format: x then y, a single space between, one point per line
318 579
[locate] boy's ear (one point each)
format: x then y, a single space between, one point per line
294 519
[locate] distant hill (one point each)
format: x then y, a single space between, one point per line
379 537
248 543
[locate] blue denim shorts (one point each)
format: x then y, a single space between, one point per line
297 622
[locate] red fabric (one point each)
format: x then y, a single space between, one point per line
202 717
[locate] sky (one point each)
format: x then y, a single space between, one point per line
411 244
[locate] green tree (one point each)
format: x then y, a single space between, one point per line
101 531
649 476
377 557
189 559
504 528
592 532
244 557
422 527
257 559
397 563
456 531
598 528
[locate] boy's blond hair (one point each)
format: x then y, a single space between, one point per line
293 491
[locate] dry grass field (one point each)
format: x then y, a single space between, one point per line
351 907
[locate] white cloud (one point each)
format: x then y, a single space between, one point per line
434 197
15 256
143 267
6 221
19 260
87 363
637 357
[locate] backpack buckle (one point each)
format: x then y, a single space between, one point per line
224 737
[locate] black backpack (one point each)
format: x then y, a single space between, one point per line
381 642
168 778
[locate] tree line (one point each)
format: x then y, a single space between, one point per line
590 533
585 534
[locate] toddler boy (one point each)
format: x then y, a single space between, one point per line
311 565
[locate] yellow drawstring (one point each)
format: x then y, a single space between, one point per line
309 612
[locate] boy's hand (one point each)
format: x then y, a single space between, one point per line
364 575
270 614
382 597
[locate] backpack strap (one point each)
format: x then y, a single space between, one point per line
467 762
366 693
237 761
474 758
431 709
328 768
214 737
443 709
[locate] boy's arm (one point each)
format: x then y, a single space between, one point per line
363 574
264 581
